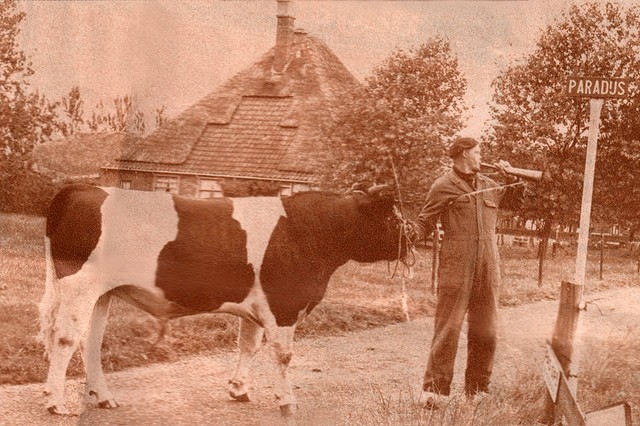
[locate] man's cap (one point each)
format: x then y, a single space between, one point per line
460 145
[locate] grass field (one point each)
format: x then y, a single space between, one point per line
609 372
359 296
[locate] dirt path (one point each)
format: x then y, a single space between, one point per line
337 377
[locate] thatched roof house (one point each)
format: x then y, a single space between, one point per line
260 130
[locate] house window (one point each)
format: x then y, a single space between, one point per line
166 184
286 190
125 184
209 188
300 187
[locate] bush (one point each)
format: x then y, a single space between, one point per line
24 191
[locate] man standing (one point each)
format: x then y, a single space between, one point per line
466 203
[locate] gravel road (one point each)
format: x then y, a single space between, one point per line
336 377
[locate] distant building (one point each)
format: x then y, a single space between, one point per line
258 133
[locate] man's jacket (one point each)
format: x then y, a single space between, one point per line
469 249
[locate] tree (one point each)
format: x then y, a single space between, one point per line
160 116
404 117
139 123
535 125
119 120
72 106
45 117
123 117
26 119
97 121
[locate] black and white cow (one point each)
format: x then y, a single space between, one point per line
265 259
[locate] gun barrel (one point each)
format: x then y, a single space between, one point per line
528 174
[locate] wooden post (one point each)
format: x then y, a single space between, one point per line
568 406
595 106
544 235
543 250
562 345
601 254
561 405
435 261
561 398
562 362
566 327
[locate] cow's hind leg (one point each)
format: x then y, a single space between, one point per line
91 346
281 340
249 340
74 308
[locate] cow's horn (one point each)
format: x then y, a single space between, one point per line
376 189
358 187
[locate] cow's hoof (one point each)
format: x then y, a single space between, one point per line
58 410
108 403
288 410
243 397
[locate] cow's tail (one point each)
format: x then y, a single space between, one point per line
50 302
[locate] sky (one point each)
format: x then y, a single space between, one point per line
174 53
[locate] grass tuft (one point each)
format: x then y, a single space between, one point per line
610 372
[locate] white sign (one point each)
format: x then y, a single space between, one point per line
597 87
551 371
617 414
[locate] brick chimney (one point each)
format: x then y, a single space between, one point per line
284 35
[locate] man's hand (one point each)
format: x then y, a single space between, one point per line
413 231
506 171
503 166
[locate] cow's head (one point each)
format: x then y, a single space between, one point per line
379 233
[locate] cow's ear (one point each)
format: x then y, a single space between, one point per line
378 200
360 187
378 189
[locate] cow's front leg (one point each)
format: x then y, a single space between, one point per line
249 340
281 340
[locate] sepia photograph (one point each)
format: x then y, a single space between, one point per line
320 212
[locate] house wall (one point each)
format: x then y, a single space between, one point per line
188 184
139 180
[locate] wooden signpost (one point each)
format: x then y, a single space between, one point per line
560 368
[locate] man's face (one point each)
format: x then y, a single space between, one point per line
473 157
